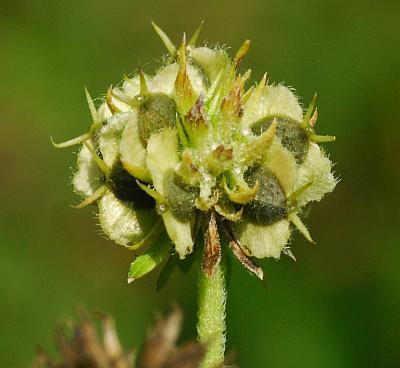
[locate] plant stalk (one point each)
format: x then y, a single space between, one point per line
211 315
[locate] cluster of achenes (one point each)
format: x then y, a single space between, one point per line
189 153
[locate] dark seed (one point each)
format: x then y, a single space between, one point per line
292 135
181 198
269 204
126 188
155 112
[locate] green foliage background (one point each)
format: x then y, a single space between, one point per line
337 306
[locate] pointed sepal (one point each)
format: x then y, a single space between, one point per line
165 39
193 39
93 198
241 53
101 164
296 221
144 89
72 142
186 96
307 116
92 107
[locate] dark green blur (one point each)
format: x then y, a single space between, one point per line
337 306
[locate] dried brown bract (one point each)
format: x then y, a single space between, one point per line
87 348
212 247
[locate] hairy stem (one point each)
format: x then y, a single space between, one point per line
211 316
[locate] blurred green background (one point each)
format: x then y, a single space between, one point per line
337 306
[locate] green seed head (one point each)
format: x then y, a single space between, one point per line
192 148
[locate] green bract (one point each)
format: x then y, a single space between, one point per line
191 148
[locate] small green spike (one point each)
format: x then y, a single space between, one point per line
215 84
93 198
300 226
84 137
151 192
109 101
306 121
246 76
195 36
246 95
258 90
165 39
100 163
213 98
241 53
72 142
230 76
186 96
182 82
294 195
321 138
92 107
262 84
144 89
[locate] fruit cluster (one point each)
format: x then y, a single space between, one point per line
190 153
